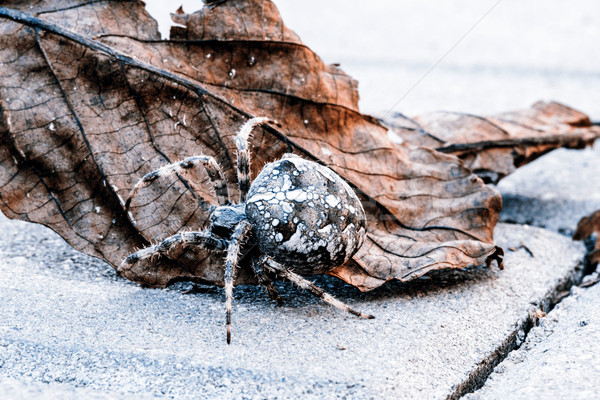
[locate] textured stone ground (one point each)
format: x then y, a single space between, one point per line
560 357
15 389
559 360
68 319
554 192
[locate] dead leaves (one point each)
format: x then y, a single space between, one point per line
92 99
495 146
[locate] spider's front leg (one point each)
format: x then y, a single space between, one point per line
243 152
280 270
206 240
212 169
238 237
203 239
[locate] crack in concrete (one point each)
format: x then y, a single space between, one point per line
478 377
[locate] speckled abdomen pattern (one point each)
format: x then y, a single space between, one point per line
305 216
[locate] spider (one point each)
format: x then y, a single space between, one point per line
296 218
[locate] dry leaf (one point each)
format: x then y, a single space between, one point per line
586 227
494 147
92 99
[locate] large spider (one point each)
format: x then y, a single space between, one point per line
304 218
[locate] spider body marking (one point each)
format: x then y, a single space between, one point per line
296 218
305 216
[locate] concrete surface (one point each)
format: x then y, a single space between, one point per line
560 357
559 360
12 389
555 191
66 318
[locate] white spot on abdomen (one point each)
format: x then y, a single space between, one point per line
287 207
261 196
296 195
332 200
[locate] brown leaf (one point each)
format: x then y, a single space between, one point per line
92 100
494 147
586 227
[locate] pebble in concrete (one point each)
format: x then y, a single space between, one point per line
66 318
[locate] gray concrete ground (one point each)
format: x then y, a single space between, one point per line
559 360
70 328
67 319
555 191
13 389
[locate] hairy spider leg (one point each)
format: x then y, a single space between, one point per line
239 235
264 280
212 169
243 153
203 239
279 269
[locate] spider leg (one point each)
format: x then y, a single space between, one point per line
204 239
279 269
264 280
231 264
243 153
212 168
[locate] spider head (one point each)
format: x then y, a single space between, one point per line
224 219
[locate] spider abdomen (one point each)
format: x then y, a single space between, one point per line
305 216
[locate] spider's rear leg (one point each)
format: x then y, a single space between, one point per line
203 239
212 169
243 153
279 269
238 237
264 280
